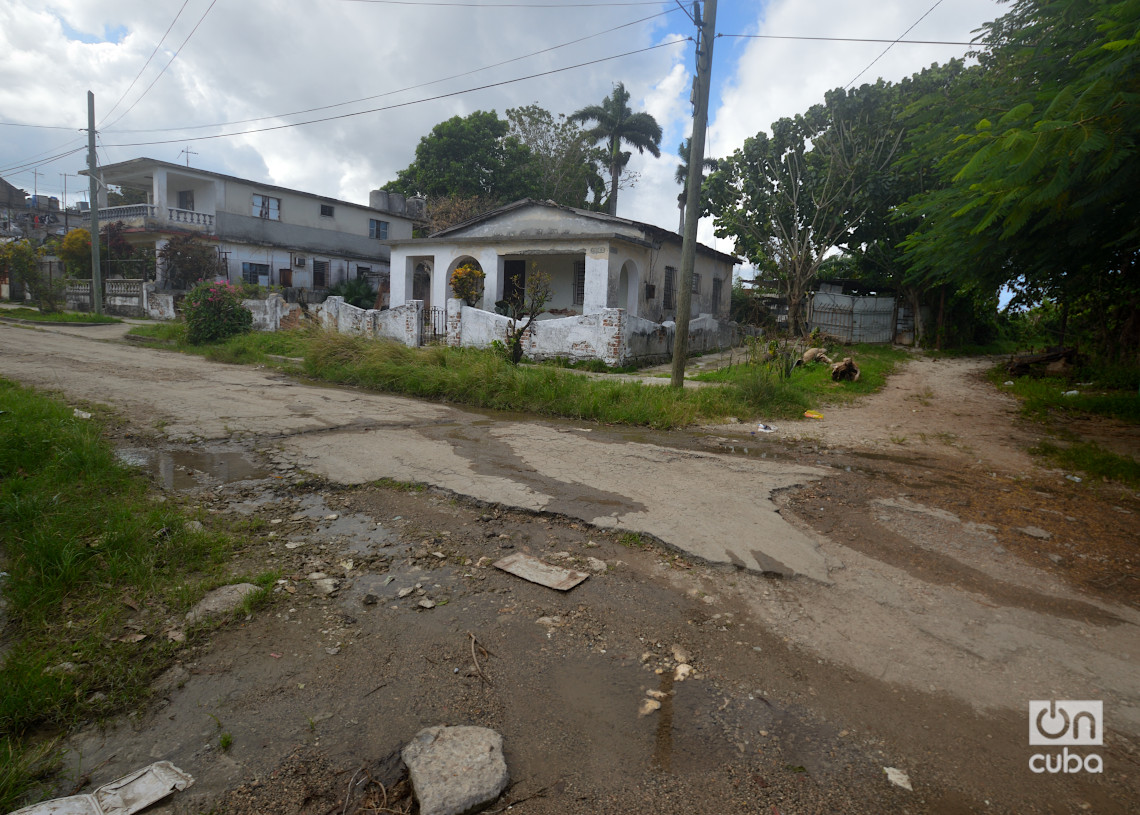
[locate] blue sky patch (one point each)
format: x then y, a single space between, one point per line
115 34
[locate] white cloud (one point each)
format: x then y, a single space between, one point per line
262 58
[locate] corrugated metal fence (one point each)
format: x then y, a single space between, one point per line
853 319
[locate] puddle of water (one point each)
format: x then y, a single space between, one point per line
185 469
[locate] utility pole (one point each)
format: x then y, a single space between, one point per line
706 33
96 272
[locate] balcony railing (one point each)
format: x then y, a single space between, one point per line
133 212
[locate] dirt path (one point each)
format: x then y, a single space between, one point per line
941 616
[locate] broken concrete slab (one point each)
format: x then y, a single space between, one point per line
536 571
221 600
456 770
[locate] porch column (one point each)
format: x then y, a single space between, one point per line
596 295
440 286
400 271
159 193
492 263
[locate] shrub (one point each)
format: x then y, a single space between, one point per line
467 283
356 292
214 311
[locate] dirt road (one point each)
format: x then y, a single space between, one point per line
934 582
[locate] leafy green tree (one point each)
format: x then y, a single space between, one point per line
75 251
1041 192
614 125
790 198
565 162
125 196
187 260
471 156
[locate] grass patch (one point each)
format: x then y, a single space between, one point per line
1092 460
1043 396
38 316
254 348
97 572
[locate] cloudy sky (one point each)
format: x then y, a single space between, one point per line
405 65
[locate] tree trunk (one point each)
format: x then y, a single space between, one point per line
614 170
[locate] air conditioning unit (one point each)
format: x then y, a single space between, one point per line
299 263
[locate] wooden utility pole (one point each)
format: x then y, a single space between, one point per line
706 33
96 272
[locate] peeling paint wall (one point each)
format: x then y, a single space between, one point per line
403 323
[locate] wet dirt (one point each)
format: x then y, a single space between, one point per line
943 617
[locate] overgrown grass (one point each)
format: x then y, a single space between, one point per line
483 379
93 562
1092 460
56 316
813 381
1041 397
253 348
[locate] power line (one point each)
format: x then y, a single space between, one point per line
167 65
411 102
42 127
847 39
29 164
148 59
454 4
889 47
408 88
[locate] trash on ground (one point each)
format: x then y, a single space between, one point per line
1074 478
123 796
765 428
81 414
898 778
845 371
815 355
812 414
1071 393
536 571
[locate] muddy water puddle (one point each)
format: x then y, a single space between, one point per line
188 469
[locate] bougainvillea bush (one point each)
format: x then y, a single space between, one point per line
214 311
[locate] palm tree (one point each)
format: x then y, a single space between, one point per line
615 123
684 150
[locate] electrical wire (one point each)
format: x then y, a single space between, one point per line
892 45
411 102
453 4
148 59
847 39
402 90
28 164
167 65
42 127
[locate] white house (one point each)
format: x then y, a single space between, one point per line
595 262
264 233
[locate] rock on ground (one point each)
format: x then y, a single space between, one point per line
220 601
456 770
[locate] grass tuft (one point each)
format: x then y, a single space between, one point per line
38 316
1092 460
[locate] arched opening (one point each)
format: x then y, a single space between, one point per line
475 296
629 281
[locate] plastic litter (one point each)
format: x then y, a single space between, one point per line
1071 393
123 796
813 414
898 778
765 428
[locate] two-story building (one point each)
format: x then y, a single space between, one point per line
264 233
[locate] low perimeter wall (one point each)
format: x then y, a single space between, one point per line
402 323
610 335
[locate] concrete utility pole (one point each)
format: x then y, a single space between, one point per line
706 33
96 272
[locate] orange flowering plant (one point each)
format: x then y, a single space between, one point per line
467 283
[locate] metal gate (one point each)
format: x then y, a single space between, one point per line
853 319
435 325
